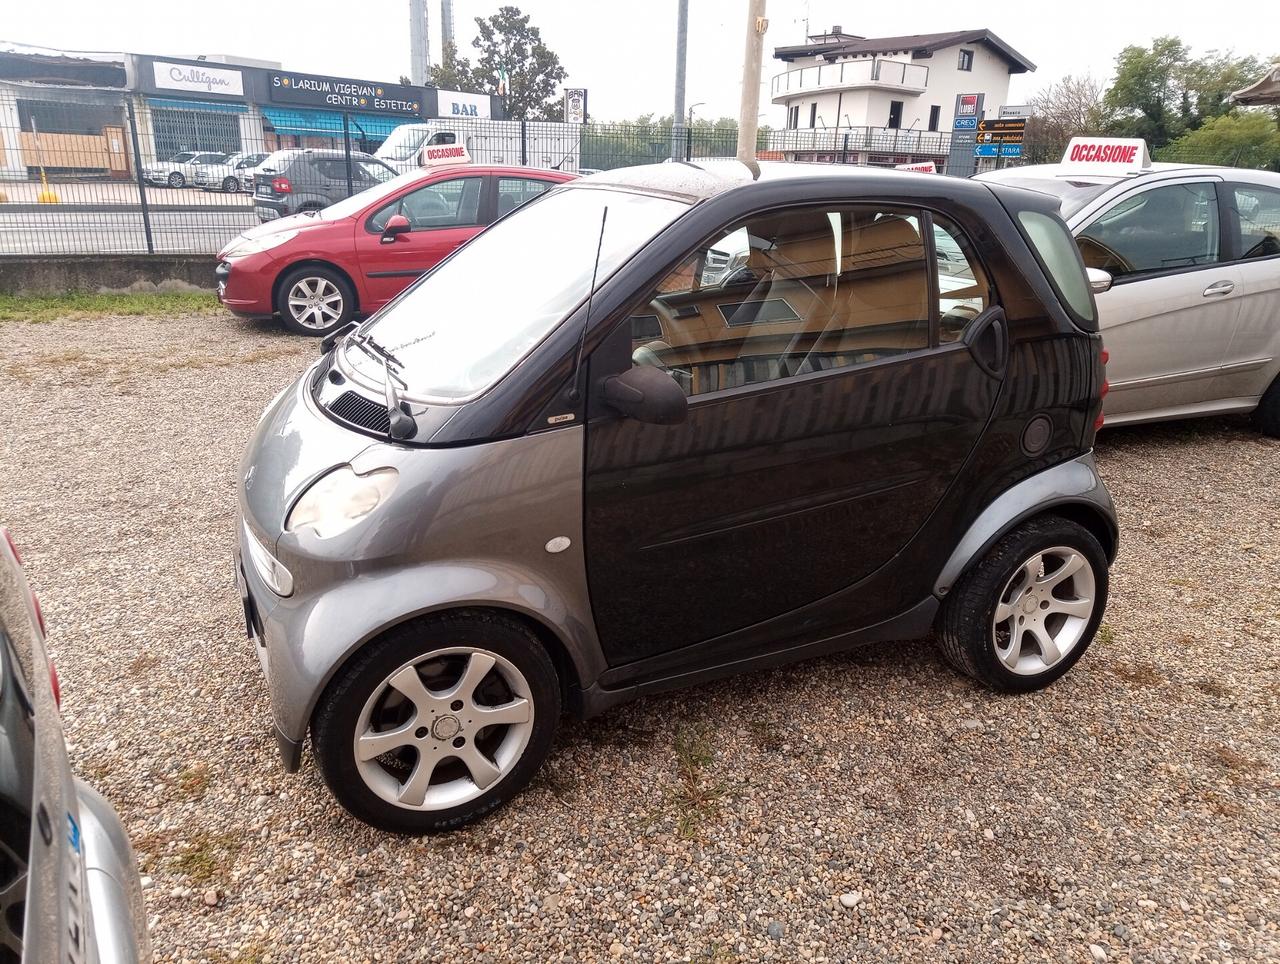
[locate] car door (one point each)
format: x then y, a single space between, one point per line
1172 309
442 215
1253 221
828 414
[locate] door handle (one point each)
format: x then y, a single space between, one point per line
1219 288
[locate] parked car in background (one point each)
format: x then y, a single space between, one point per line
247 174
180 169
1186 265
227 175
319 270
302 179
506 494
69 886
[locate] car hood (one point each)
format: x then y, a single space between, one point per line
293 445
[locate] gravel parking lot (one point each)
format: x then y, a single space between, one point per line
868 805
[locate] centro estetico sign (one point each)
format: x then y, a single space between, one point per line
338 93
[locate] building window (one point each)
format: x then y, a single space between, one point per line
935 113
813 114
966 60
895 113
793 117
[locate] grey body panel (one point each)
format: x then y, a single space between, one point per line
1068 483
464 527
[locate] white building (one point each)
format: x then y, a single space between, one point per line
893 97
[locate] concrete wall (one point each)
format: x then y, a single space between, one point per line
61 275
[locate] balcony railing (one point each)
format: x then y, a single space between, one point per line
844 140
893 74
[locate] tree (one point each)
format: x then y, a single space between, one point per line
1246 138
1162 93
453 72
512 55
1061 111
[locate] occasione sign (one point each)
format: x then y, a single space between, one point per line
197 78
337 93
1106 155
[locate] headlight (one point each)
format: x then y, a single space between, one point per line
337 501
278 579
243 246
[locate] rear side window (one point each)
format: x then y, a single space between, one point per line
1061 259
963 289
1258 217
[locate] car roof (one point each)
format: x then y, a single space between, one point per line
1067 173
699 180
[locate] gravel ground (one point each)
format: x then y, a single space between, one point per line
873 804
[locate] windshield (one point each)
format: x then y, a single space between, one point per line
469 322
182 158
403 142
391 182
1073 195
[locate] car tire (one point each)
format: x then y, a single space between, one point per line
442 661
1267 415
314 300
176 179
231 185
1043 633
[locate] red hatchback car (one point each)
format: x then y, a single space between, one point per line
319 269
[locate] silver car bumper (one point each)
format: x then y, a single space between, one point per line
114 888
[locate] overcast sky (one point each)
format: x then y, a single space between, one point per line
623 51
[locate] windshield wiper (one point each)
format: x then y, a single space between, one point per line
401 424
377 352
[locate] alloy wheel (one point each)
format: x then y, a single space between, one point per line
230 185
315 303
1043 610
176 179
443 728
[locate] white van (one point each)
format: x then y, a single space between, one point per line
531 144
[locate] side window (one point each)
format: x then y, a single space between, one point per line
374 173
514 191
1258 215
789 294
444 204
1167 227
444 137
963 289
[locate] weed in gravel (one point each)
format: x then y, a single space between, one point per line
1106 635
205 856
696 799
193 781
1138 674
765 735
714 954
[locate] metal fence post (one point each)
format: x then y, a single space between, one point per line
142 181
688 143
524 143
844 149
346 151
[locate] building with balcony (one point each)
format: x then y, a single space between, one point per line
894 97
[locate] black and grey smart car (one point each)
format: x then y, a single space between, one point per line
69 886
661 425
298 180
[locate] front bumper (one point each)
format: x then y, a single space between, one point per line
245 285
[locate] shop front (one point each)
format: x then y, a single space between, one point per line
313 110
195 106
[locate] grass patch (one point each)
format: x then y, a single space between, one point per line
193 781
42 308
205 857
696 799
1106 635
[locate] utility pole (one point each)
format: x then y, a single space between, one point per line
419 43
446 24
749 110
682 50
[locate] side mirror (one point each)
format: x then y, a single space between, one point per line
1099 280
396 225
647 394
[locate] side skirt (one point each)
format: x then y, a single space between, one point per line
915 623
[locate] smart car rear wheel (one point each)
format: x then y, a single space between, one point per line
315 300
438 723
1023 615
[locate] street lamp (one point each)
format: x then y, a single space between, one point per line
701 103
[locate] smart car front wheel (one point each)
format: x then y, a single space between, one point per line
438 722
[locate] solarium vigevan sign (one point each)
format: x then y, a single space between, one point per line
339 93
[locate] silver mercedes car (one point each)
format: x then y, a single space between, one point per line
1184 261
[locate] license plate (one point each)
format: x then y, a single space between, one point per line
264 190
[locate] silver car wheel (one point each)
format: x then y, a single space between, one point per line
315 303
1043 611
443 728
